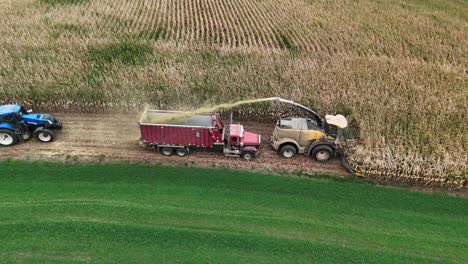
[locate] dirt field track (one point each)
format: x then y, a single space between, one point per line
115 137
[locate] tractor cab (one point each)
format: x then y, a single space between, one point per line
12 126
17 124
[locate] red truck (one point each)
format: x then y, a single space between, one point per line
174 132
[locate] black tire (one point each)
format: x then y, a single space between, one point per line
248 155
7 138
181 152
27 135
44 135
322 153
167 151
288 151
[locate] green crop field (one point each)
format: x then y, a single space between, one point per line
117 213
396 68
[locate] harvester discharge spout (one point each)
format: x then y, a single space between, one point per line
281 100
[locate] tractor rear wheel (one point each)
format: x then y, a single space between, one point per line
288 151
167 151
322 153
44 135
181 152
7 137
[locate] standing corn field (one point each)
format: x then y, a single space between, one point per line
397 68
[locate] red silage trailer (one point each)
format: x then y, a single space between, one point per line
202 131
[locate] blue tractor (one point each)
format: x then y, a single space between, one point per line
17 124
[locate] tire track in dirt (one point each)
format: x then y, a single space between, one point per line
115 137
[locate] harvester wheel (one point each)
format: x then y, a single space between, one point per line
288 151
44 135
322 153
181 152
7 137
167 151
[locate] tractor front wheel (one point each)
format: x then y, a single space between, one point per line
7 137
44 135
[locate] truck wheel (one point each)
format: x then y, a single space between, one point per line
248 155
44 135
167 151
181 152
7 137
322 153
288 151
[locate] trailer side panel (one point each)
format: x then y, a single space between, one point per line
177 136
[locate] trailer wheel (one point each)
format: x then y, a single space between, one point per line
248 155
167 151
44 135
288 151
7 137
181 152
322 153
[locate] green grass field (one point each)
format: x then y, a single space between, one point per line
118 213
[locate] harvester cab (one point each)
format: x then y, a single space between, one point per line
334 124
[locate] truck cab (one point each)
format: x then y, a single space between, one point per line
311 137
17 124
241 143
